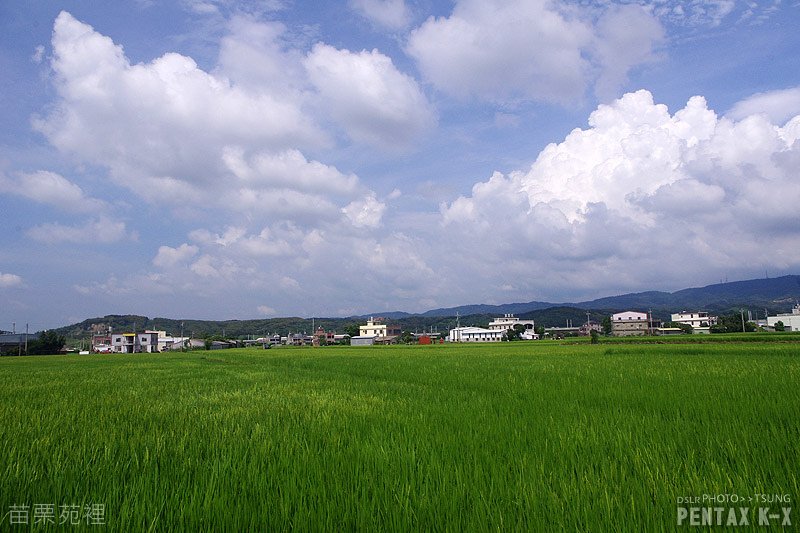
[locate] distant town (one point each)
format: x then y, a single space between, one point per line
720 308
379 331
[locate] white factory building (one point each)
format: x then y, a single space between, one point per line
791 321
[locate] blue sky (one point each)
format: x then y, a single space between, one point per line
220 159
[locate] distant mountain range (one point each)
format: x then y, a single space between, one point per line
774 294
771 294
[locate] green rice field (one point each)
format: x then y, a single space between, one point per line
509 437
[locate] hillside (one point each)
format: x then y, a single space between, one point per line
774 294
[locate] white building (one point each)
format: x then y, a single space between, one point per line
700 321
134 342
372 329
629 323
474 334
508 321
791 321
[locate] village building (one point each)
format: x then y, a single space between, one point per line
508 321
790 321
144 342
629 323
700 321
475 334
380 333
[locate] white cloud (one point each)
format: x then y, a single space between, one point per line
52 189
392 14
162 125
269 242
288 169
101 230
9 280
366 212
366 94
641 198
169 257
255 54
231 140
626 36
504 50
534 50
779 106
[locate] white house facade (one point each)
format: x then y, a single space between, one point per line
474 334
372 329
134 342
696 319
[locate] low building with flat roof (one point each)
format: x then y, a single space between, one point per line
790 321
475 334
363 340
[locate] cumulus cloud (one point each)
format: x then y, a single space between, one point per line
9 280
368 96
289 168
366 212
162 128
532 50
232 139
778 106
626 36
52 189
496 50
256 55
392 14
168 256
641 195
269 242
101 230
307 270
164 116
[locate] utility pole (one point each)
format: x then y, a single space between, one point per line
26 338
742 312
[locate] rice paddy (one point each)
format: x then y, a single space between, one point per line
514 436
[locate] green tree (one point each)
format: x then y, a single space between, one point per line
406 338
732 323
48 343
515 333
780 326
595 336
352 330
685 327
606 325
